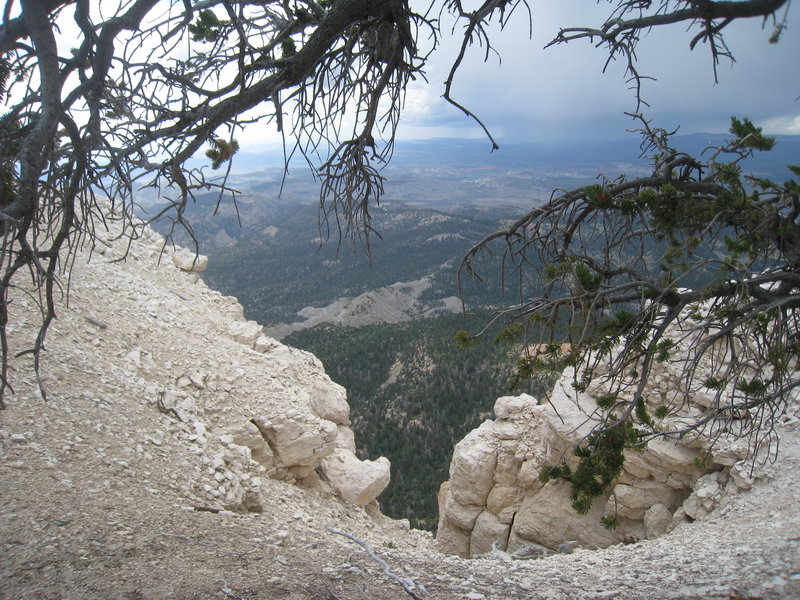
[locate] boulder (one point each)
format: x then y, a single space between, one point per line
741 475
248 435
472 467
510 407
707 492
245 332
354 480
299 441
632 501
547 518
189 261
657 521
345 438
488 530
502 499
329 401
460 514
452 539
265 343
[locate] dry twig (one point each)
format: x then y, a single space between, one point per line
408 584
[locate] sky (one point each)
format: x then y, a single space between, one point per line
526 93
537 95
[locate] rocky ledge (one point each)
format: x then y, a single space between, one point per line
495 499
250 407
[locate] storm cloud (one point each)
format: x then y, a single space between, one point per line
528 93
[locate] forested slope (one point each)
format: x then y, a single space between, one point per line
413 393
277 274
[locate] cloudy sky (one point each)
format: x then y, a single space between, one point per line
525 93
538 95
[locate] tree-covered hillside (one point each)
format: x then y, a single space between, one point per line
413 395
286 267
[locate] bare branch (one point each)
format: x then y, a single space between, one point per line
408 584
620 34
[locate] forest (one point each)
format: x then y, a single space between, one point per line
414 393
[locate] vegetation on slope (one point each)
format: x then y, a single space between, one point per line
274 276
413 395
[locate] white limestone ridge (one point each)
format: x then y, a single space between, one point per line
393 303
252 407
495 499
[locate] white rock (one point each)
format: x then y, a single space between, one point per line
265 343
508 407
329 401
741 476
547 518
354 480
461 515
245 332
345 438
452 539
488 530
632 501
657 520
472 467
301 442
502 498
188 261
495 470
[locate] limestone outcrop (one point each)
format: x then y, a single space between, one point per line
251 407
296 429
494 496
354 480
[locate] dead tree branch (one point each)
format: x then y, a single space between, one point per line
408 584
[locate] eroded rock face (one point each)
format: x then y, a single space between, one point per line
295 429
494 495
249 406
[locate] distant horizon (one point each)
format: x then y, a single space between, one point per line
526 93
622 137
523 170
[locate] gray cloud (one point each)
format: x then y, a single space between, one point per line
535 94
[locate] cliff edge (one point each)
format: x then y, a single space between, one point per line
182 454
